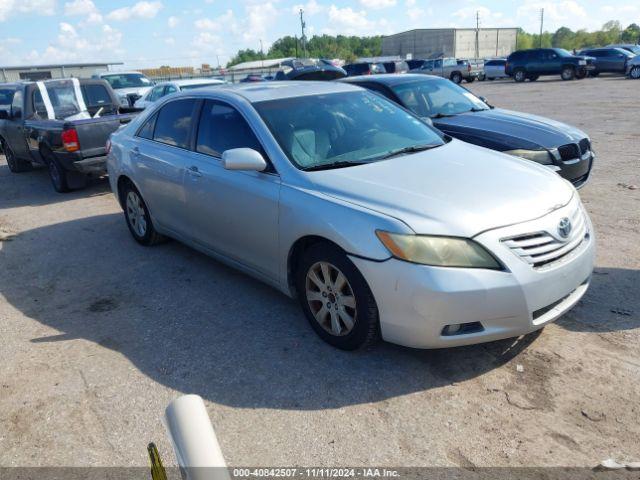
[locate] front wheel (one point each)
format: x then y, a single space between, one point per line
533 78
138 219
635 73
15 164
470 79
581 73
456 78
336 298
568 73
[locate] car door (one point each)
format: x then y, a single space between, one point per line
234 213
160 158
15 127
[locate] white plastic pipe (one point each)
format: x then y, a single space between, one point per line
194 440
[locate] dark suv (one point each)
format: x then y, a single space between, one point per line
364 68
531 64
608 60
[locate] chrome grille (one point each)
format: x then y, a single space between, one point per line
543 250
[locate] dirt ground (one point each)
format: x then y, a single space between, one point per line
98 334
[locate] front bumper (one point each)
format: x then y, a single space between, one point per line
417 302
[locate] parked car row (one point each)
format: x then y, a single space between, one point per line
381 225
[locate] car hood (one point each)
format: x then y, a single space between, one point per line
457 189
507 130
137 90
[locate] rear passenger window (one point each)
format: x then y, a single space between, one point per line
95 95
223 128
147 129
173 125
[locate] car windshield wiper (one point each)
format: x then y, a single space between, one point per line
331 166
407 150
443 115
476 109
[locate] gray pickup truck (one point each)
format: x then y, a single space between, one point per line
62 124
454 69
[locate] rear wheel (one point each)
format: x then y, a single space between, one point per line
635 73
519 75
456 77
336 298
491 79
568 73
581 73
482 77
470 80
15 164
594 74
57 174
533 78
137 216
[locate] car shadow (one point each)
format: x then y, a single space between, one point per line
196 326
34 188
610 305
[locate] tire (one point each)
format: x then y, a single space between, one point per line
57 174
137 216
568 73
15 164
482 77
491 79
470 80
519 75
634 73
533 78
581 73
354 325
456 77
594 74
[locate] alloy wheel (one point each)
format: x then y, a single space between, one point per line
55 174
330 298
136 214
635 73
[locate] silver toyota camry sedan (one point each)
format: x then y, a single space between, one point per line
379 224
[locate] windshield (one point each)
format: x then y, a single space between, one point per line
437 97
127 80
344 127
563 53
6 96
634 49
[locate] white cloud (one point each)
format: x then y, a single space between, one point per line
34 7
172 22
225 21
143 9
312 7
79 7
377 4
349 21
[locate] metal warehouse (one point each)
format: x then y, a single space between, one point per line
451 42
43 72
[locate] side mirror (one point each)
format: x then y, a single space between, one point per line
4 115
245 159
484 99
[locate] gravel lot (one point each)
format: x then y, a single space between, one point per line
99 334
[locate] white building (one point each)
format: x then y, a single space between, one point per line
44 72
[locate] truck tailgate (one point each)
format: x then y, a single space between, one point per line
94 132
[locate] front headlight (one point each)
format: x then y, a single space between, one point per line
539 156
438 251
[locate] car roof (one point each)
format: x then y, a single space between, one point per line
263 91
129 72
391 79
192 81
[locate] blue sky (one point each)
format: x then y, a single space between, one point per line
191 32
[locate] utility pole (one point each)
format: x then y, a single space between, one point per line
303 39
477 34
541 24
261 54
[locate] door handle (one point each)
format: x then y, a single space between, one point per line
194 171
135 151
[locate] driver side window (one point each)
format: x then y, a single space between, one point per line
39 108
16 105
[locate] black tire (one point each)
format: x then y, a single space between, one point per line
568 73
147 236
594 74
519 75
456 77
533 78
482 77
15 164
634 73
581 73
366 326
470 80
57 174
491 79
